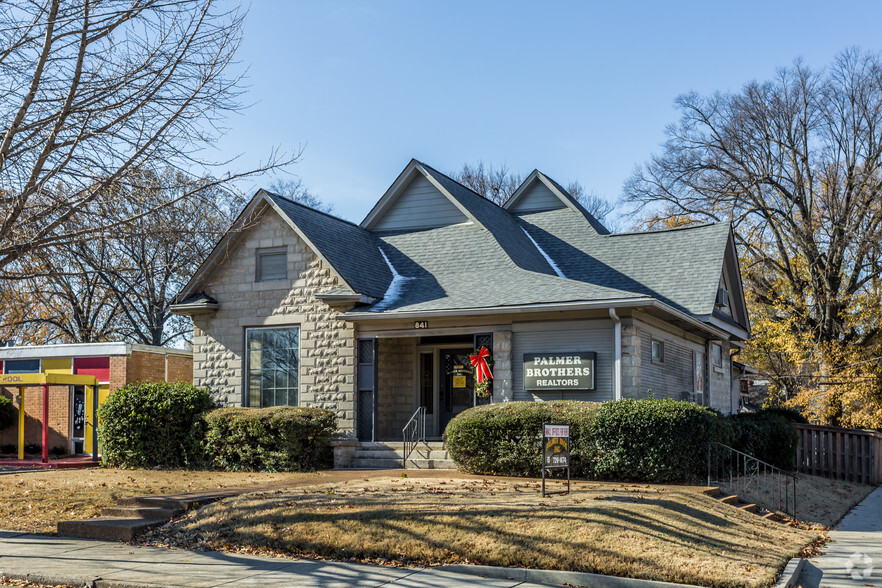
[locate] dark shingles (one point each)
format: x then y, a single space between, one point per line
350 249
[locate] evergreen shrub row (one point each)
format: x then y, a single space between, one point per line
277 439
651 440
164 425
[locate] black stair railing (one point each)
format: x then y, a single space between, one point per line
414 432
751 479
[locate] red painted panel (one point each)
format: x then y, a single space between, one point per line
93 366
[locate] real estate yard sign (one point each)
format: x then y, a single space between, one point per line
555 451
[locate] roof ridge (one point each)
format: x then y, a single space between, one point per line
426 165
669 229
310 208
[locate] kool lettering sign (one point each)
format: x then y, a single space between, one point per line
559 371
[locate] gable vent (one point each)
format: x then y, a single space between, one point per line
722 298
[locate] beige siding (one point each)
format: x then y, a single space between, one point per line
537 197
547 337
327 352
420 206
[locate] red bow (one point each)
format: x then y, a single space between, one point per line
482 370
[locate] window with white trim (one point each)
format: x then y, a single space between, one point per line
272 366
658 351
272 264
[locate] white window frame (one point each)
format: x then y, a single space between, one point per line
265 252
246 372
661 350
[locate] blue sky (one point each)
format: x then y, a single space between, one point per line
580 90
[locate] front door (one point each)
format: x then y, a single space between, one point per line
457 387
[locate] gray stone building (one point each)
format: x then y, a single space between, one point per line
374 320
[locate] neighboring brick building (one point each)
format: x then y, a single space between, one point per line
70 407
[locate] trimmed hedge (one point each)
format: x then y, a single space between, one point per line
653 440
277 439
506 438
8 413
650 440
767 435
148 425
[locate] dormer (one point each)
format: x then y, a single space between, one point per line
540 193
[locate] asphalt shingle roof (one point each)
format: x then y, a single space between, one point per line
494 263
352 251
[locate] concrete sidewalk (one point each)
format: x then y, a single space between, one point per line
854 555
87 562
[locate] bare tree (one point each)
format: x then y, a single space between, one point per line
94 88
497 184
295 190
795 163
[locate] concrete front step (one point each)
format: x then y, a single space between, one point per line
107 528
140 512
378 454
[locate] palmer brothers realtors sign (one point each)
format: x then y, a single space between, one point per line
573 370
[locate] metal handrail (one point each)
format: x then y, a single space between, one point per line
414 432
745 475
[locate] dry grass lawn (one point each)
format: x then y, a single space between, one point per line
35 501
820 502
656 532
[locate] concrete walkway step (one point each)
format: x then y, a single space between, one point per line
140 512
107 528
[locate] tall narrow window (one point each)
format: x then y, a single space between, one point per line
658 351
272 264
273 366
717 355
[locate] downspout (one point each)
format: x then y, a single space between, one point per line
617 369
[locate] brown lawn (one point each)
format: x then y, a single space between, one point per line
820 502
667 533
34 501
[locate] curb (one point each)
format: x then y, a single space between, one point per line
790 575
558 578
80 582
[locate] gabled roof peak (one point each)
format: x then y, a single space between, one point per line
558 192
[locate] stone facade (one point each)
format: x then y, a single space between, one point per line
396 385
502 386
327 345
631 359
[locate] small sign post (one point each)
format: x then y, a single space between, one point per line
555 452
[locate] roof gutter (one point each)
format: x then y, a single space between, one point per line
617 370
620 303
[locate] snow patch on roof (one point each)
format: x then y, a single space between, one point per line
393 292
550 261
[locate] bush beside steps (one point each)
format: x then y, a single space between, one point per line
164 425
647 440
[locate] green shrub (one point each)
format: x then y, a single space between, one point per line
8 413
766 435
506 439
149 425
791 414
654 440
33 449
277 439
8 449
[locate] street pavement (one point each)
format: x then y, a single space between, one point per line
853 557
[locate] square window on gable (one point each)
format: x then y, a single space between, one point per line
272 264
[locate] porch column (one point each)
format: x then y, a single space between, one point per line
21 421
45 423
502 391
94 422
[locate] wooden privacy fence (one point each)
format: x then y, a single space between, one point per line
842 454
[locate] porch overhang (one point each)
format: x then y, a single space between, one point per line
646 304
